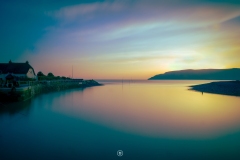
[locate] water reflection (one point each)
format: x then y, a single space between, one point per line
11 109
42 100
161 109
149 108
147 120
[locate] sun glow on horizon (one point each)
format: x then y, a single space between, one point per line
120 39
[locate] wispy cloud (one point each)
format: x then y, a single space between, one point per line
72 12
143 12
109 21
173 34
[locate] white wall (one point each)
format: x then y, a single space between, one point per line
30 73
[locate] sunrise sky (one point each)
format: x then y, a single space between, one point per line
118 39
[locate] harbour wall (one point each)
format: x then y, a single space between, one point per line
27 89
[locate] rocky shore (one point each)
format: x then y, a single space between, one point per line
223 87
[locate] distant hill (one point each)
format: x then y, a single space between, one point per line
202 74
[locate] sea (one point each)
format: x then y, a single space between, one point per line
123 119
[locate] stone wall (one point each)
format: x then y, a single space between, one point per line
33 88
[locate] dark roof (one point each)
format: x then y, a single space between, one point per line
9 76
15 68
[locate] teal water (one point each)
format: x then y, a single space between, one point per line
144 119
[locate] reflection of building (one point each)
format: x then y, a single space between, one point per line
21 70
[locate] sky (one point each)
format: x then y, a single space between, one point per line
120 39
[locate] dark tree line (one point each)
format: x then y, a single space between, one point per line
50 76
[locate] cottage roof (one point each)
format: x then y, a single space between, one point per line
15 68
9 76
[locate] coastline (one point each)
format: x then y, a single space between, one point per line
231 88
26 92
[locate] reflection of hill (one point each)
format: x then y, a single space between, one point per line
202 74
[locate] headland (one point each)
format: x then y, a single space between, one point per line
222 87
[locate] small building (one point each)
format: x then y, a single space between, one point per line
20 70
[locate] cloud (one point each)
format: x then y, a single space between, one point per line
107 21
149 56
142 34
71 12
142 12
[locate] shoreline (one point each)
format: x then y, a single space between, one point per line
26 92
231 88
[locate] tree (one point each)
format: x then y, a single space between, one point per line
50 74
40 74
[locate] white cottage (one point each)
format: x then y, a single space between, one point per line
21 70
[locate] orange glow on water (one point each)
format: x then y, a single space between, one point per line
156 109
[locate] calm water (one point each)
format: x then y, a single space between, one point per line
144 119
